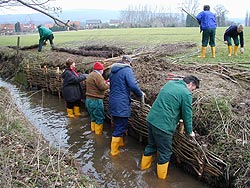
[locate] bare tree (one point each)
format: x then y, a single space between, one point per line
147 16
191 6
247 19
221 13
248 24
41 6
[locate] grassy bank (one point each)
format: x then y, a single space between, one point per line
134 38
26 159
221 107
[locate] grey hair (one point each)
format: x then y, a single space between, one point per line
240 26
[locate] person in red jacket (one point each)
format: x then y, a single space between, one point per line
95 88
234 32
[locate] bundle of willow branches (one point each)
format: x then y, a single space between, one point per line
204 163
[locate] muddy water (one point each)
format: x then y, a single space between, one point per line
47 113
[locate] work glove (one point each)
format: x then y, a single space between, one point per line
242 50
143 98
192 134
107 81
84 75
225 42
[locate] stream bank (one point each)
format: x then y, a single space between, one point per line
221 106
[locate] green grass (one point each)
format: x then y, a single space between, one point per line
133 38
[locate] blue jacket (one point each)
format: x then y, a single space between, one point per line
207 20
122 82
72 89
232 32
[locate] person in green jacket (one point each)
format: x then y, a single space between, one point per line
45 34
174 102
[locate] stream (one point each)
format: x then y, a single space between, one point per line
48 114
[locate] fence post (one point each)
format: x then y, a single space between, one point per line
18 44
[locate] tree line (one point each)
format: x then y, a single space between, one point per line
146 16
135 16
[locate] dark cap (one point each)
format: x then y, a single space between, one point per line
206 7
127 58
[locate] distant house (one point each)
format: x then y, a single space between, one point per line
49 25
28 27
92 24
7 28
114 23
75 24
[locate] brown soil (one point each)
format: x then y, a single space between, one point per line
221 105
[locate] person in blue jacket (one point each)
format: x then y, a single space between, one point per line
122 83
72 89
45 34
234 32
207 21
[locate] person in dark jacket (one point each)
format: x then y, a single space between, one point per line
45 34
234 32
174 102
95 88
122 82
207 21
72 90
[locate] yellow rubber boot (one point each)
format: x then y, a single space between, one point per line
92 126
236 50
98 128
146 162
162 170
77 111
229 51
115 145
213 51
70 113
203 52
122 142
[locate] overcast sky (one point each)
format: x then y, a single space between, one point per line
236 8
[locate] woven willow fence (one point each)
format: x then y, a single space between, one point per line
44 78
187 150
205 164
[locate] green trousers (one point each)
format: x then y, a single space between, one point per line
96 110
208 35
158 141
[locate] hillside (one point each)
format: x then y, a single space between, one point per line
75 15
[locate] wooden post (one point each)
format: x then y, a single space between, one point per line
181 126
58 81
28 75
18 44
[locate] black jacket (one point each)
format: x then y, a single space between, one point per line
72 89
232 32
